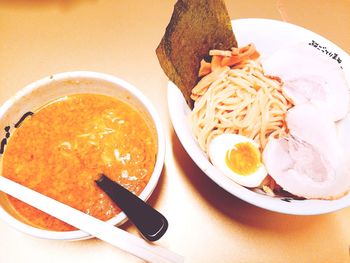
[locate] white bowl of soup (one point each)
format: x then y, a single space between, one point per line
60 133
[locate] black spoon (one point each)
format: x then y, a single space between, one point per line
149 221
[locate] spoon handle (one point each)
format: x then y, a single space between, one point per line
100 229
149 221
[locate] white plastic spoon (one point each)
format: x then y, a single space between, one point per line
108 233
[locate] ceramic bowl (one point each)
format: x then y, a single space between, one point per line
47 89
268 36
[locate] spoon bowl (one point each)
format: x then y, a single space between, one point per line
149 221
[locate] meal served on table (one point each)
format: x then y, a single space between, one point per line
277 125
63 147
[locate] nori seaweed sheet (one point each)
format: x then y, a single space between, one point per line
196 26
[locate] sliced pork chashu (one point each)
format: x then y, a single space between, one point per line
311 76
309 162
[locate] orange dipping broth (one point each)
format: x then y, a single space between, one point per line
61 149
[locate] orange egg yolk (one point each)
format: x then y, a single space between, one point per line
243 158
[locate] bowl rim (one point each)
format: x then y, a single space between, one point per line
123 85
178 109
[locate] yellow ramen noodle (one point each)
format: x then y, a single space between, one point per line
240 100
61 149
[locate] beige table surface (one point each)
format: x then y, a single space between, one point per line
41 37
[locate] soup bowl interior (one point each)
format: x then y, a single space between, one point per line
39 93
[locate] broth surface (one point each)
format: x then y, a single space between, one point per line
61 149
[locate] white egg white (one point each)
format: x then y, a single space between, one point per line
217 153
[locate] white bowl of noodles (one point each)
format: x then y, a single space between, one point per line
268 36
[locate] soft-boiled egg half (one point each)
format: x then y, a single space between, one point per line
239 158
